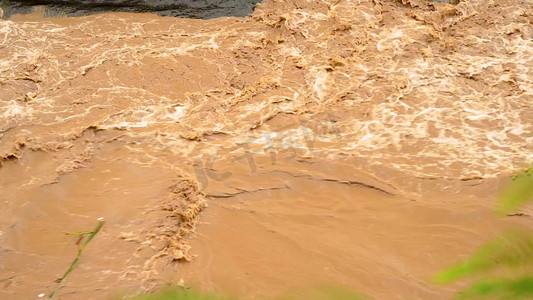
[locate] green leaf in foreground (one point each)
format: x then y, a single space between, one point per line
179 294
511 249
518 193
321 293
516 288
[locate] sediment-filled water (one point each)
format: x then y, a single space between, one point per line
352 143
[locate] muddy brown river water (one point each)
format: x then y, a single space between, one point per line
349 143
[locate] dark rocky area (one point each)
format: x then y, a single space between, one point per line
198 9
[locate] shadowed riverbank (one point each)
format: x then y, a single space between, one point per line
197 9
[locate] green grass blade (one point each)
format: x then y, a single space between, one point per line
511 249
76 260
179 294
516 288
81 233
518 193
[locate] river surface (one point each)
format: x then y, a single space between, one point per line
350 143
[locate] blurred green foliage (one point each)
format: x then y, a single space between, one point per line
178 293
323 293
510 255
518 193
502 288
513 249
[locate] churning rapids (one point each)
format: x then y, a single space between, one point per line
355 143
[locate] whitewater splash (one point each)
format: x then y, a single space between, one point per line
412 96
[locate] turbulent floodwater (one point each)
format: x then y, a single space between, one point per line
354 143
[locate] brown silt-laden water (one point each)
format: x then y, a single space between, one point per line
347 143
